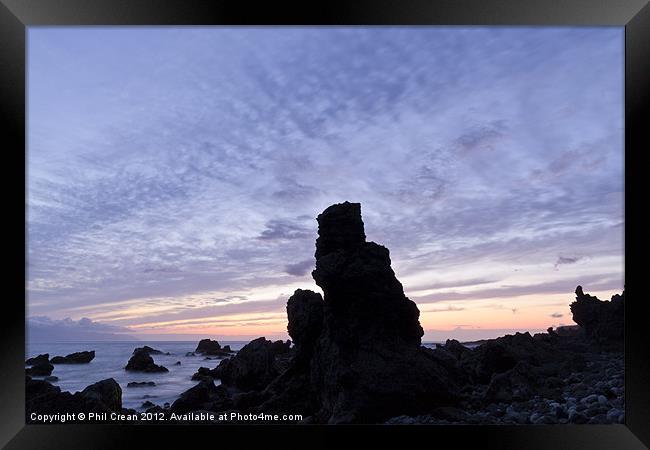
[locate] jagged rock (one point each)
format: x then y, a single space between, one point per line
205 373
75 358
41 397
140 384
44 358
40 369
177 363
147 404
502 354
149 351
212 348
601 320
105 394
255 365
359 356
455 348
204 396
142 362
305 316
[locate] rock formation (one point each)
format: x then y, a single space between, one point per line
40 359
254 366
149 351
142 362
601 320
212 348
358 351
40 369
75 358
41 397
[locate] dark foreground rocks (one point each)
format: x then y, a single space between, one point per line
357 355
75 358
601 320
40 369
40 359
43 398
142 362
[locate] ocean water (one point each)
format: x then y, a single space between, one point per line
111 357
109 362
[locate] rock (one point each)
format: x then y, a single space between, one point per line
602 400
254 366
40 359
593 398
577 417
305 317
190 354
518 384
602 321
105 394
147 405
613 415
502 354
142 362
226 348
204 396
75 358
212 348
204 374
40 369
51 378
132 384
177 363
149 351
43 398
455 348
366 363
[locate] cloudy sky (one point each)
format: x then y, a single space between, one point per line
174 174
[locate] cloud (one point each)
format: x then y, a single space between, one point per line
301 268
556 315
45 329
283 229
447 309
563 260
462 145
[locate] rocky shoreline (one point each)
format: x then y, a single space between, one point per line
356 356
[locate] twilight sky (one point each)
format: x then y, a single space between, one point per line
174 174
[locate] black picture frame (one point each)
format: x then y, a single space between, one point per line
634 15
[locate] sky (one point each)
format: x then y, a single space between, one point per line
174 174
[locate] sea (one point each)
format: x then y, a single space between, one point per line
111 357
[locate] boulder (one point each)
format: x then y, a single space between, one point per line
40 369
212 348
75 358
204 396
149 351
40 359
601 320
104 395
43 398
142 362
254 366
